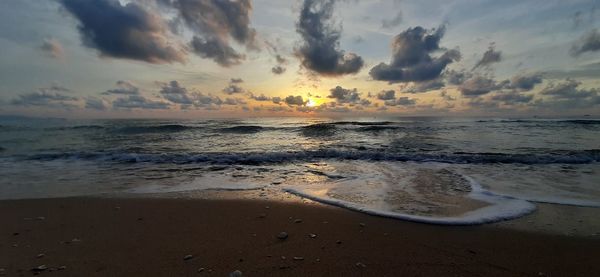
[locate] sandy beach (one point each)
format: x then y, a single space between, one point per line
196 237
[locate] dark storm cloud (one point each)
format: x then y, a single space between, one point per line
457 77
489 57
569 89
53 48
320 50
294 100
138 102
590 42
214 22
386 95
124 88
393 22
93 103
342 95
129 31
526 82
480 85
412 59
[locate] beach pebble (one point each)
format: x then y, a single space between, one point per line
62 267
338 242
362 224
41 255
236 273
317 260
312 236
282 235
40 218
39 268
262 215
298 258
361 265
187 257
298 221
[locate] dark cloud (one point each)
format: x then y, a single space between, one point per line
569 89
512 97
278 70
53 48
175 93
425 86
276 100
294 100
261 97
401 101
412 59
93 103
234 101
386 95
129 31
138 102
457 77
320 51
590 42
342 95
489 57
526 82
393 22
213 23
52 96
233 89
480 85
124 88
216 50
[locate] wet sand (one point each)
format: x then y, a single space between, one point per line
151 237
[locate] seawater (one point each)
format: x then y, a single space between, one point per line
434 170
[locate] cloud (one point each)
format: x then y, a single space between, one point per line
342 95
386 95
526 82
480 85
236 80
214 23
53 48
412 60
278 70
46 97
512 97
261 97
123 88
234 101
590 42
175 93
294 100
129 31
216 50
276 100
569 89
425 86
320 51
93 103
489 57
138 102
401 101
393 22
233 89
457 77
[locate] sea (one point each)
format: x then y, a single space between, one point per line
451 171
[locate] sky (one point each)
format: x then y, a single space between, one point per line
253 58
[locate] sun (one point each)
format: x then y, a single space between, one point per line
310 103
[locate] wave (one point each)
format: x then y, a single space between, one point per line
78 127
318 130
256 158
378 128
244 129
500 208
361 123
154 129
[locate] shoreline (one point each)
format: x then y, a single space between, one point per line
135 236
